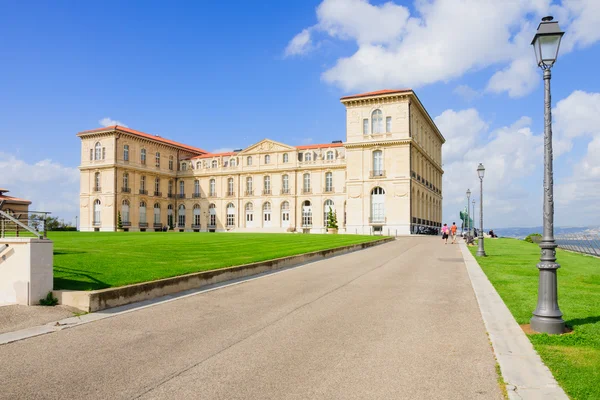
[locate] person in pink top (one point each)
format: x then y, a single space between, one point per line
445 232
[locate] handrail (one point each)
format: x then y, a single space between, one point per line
9 217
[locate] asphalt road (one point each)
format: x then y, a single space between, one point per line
397 321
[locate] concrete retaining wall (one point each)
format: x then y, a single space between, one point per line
96 300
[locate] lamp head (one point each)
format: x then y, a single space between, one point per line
546 42
480 170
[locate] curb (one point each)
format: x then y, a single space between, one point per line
97 300
526 376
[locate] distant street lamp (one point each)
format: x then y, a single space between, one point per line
473 215
468 223
480 249
547 317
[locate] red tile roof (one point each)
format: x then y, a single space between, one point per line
376 93
319 146
10 198
147 136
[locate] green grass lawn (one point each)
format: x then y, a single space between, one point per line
574 358
97 260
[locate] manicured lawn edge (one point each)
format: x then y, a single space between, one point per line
95 300
574 358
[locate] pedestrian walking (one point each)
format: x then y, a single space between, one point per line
453 230
445 232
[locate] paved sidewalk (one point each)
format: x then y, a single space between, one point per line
16 317
395 321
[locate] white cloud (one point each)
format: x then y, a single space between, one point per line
49 185
107 121
300 44
509 155
441 40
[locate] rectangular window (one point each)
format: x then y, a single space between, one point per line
365 126
104 153
157 160
143 156
126 153
91 154
388 124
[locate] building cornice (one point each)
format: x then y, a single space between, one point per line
427 156
391 142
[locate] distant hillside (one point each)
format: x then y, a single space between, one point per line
521 233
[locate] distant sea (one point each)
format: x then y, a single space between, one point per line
521 233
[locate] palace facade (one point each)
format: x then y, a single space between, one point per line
386 177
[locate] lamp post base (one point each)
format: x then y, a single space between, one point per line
480 249
549 325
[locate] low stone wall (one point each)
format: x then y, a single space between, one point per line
95 300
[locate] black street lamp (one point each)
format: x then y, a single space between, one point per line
468 222
480 249
547 317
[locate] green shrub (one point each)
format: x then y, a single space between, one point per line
49 300
530 237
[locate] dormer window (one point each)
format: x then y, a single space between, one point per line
249 160
286 157
232 162
376 122
307 157
267 159
184 166
330 155
214 163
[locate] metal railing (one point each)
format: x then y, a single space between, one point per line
580 243
23 224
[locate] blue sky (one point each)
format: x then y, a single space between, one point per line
226 75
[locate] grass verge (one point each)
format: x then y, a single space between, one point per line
574 359
98 260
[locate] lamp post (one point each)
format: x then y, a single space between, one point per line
473 215
480 249
547 317
468 223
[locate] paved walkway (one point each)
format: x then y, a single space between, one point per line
16 317
391 322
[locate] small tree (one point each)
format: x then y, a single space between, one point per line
119 221
332 219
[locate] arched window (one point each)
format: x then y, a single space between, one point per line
306 183
249 160
249 212
181 216
267 159
377 205
267 185
230 214
326 207
197 215
156 213
98 151
157 187
125 211
306 214
97 187
170 163
126 182
330 155
214 164
97 208
285 184
182 188
230 187
170 220
212 213
143 156
308 156
285 214
377 122
286 157
142 212
377 163
328 182
184 166
126 152
213 187
249 186
157 159
267 213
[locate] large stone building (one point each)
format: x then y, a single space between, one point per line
386 177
